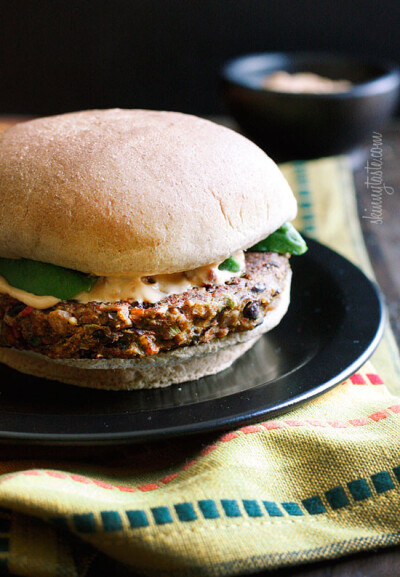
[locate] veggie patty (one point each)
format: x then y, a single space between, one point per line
134 330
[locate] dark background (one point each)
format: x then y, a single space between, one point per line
57 55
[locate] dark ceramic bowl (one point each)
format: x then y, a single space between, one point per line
302 125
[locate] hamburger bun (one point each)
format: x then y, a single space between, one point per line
114 192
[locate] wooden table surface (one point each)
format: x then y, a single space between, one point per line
383 243
383 240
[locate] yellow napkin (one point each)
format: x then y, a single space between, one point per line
316 483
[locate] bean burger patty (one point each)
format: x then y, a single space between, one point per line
128 330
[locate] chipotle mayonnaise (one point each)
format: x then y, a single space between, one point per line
141 289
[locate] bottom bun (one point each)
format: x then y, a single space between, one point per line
177 366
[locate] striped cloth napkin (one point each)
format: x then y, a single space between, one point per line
316 483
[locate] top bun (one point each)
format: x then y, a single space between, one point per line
115 192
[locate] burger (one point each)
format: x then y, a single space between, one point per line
138 248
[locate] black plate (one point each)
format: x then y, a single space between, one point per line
334 323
